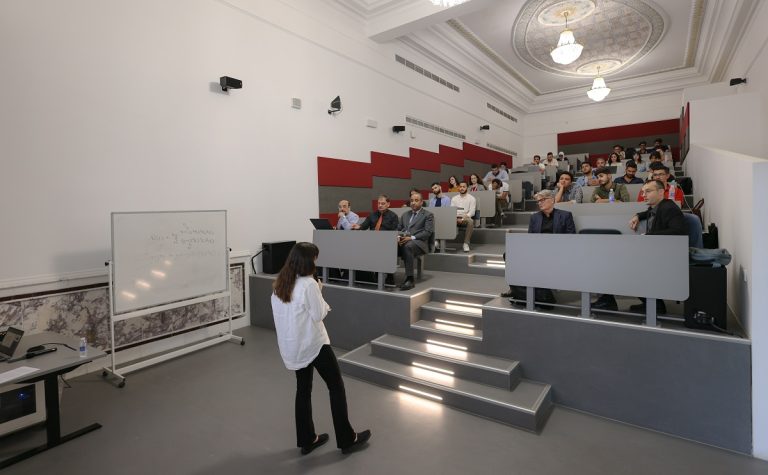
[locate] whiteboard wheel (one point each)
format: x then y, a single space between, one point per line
103 374
121 384
242 342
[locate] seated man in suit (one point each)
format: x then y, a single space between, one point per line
417 227
549 220
381 219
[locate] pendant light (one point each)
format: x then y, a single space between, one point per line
567 50
599 90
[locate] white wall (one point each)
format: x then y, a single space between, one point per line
735 123
541 129
759 325
113 106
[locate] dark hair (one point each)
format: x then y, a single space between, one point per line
463 181
386 198
300 263
435 183
658 140
612 154
603 170
494 165
479 180
585 163
537 156
653 155
617 145
630 164
565 172
656 166
643 143
550 153
503 163
454 179
497 181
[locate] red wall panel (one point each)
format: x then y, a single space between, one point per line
645 129
335 172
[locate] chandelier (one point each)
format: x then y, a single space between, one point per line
599 90
447 3
567 50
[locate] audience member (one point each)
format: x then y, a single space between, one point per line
642 148
438 199
550 160
475 184
453 184
561 156
642 166
657 143
495 173
613 159
662 217
661 173
382 219
346 216
600 162
467 205
416 228
602 193
566 191
629 177
548 220
588 177
503 166
502 200
619 151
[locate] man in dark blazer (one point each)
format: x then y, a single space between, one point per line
662 217
382 219
550 220
417 227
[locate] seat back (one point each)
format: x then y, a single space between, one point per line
695 233
599 231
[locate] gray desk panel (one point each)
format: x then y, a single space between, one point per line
603 215
374 251
445 220
515 190
533 177
640 266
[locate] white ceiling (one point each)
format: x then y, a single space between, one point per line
691 44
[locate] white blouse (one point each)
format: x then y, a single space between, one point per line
299 323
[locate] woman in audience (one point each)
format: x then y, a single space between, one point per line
298 308
453 184
641 165
614 159
475 183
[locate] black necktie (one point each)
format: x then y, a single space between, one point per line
651 217
438 202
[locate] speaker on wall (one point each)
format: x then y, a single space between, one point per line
274 255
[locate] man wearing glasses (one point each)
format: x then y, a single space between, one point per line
661 173
346 216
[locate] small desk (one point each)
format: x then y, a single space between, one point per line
49 367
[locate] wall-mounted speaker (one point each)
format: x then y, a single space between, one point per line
228 83
274 255
398 128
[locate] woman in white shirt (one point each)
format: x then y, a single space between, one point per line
476 184
298 309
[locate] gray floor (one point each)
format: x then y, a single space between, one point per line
229 409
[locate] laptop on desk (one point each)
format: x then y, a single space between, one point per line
321 223
9 342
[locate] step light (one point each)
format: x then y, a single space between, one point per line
420 393
462 308
495 263
432 368
458 324
468 304
453 329
447 345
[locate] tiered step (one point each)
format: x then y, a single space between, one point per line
484 385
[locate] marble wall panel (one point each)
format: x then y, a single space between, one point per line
10 314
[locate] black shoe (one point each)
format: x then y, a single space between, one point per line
605 303
360 440
390 280
545 307
407 285
321 439
661 307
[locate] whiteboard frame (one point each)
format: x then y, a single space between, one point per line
161 306
119 373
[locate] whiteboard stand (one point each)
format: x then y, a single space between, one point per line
163 260
118 373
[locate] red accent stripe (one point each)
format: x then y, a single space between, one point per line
485 155
336 172
451 156
393 166
646 129
424 160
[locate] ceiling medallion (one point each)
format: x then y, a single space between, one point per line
593 67
599 90
620 30
567 50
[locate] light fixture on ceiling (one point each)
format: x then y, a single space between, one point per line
599 90
567 50
447 3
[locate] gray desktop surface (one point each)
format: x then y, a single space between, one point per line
55 362
637 266
603 215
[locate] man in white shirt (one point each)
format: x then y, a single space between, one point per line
550 161
467 205
346 216
495 173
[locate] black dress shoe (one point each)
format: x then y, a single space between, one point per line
605 303
321 439
407 285
661 307
360 440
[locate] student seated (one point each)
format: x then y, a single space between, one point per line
495 173
346 216
602 193
382 219
566 191
587 177
502 196
661 173
438 199
475 184
453 184
467 205
629 177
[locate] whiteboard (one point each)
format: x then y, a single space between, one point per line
167 256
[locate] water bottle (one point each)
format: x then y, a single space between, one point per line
611 196
672 191
83 348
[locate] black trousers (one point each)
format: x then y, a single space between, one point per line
328 367
409 252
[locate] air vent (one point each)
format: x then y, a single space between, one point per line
434 128
426 73
501 112
501 149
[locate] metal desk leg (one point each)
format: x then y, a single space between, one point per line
650 312
381 281
325 275
585 310
442 245
529 298
351 277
